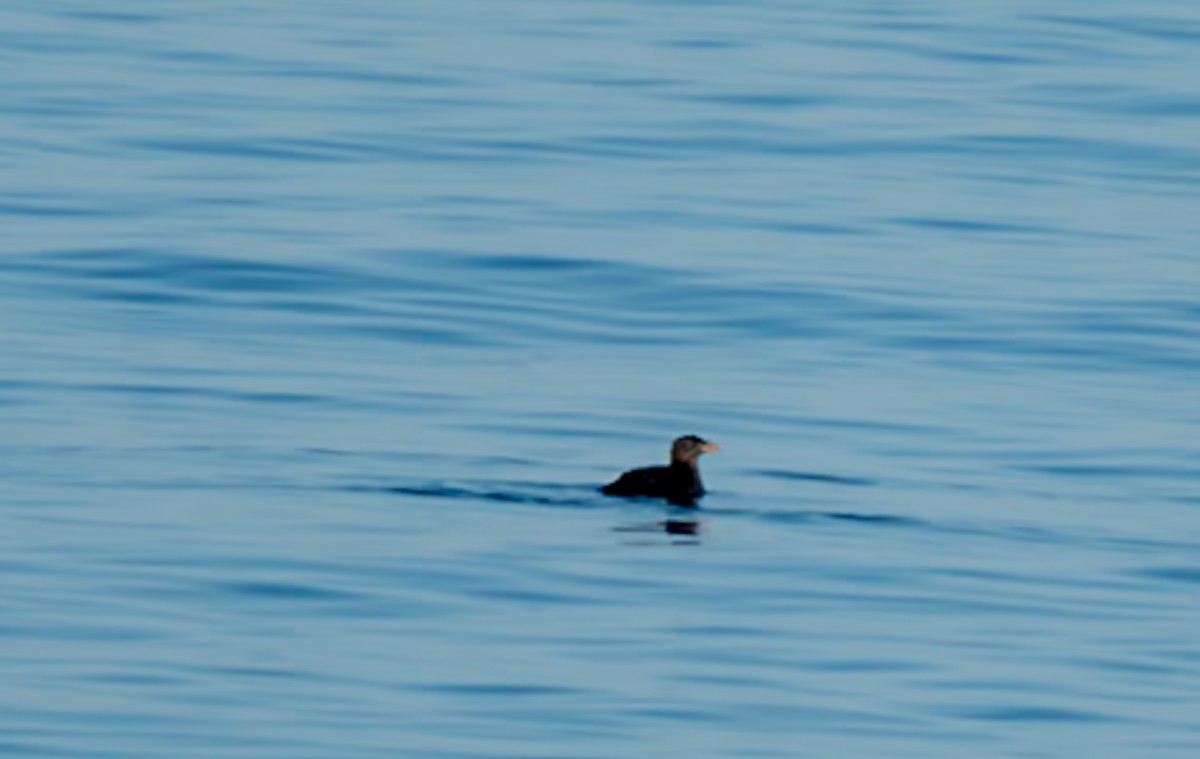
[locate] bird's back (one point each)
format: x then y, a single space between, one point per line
677 484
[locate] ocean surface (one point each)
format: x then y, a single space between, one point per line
320 324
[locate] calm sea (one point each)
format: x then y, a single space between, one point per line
321 322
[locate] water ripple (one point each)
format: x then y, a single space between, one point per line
322 325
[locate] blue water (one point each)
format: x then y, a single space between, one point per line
321 322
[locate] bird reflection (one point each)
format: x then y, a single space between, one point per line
681 530
689 526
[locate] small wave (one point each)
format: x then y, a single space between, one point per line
285 591
481 493
1036 714
1190 575
809 516
831 479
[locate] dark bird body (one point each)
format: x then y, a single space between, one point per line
678 482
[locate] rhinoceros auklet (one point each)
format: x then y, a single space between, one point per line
679 482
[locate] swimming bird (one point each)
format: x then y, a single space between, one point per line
678 482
